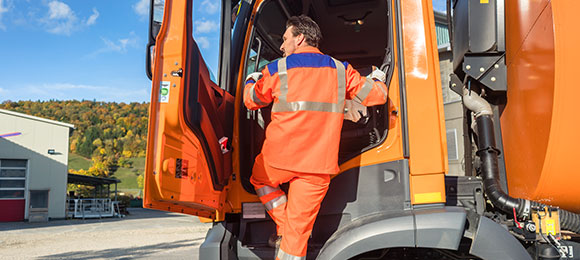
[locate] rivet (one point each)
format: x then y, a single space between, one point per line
453 85
174 85
165 75
176 63
468 67
496 66
492 78
481 69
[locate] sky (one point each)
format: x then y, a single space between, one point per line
88 50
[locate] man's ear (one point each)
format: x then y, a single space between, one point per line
300 39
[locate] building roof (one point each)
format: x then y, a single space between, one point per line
90 180
12 113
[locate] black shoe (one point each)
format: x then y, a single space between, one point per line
274 241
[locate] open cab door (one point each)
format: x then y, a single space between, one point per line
190 119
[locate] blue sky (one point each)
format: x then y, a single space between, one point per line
93 50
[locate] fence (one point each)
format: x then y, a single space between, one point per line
92 208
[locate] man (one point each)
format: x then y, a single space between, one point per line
308 91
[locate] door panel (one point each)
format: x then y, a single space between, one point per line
186 169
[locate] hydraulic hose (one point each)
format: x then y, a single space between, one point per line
488 153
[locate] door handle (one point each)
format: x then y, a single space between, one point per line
177 73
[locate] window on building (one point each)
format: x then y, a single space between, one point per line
39 199
12 178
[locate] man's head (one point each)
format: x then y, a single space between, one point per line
300 31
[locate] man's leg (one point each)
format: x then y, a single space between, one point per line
304 197
267 181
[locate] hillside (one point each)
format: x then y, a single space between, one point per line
109 138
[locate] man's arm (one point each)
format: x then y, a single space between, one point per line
368 91
257 94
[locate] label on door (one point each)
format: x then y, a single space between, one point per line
164 92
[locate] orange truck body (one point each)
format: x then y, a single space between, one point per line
191 169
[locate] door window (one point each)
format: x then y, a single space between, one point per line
263 53
206 32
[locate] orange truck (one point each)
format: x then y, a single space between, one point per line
514 65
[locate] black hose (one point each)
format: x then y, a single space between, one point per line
488 154
490 170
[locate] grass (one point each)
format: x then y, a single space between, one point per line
77 162
128 176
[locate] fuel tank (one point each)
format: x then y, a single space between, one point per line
540 122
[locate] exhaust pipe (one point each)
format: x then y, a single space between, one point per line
488 153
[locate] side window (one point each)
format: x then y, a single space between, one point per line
155 20
268 31
158 8
261 54
206 33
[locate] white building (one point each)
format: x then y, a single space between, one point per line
33 167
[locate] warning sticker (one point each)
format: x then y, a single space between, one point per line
164 92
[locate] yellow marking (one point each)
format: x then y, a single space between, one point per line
550 227
484 1
429 197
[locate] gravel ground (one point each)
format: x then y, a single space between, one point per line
143 234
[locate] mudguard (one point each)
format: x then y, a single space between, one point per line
492 241
428 228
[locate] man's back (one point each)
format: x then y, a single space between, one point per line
308 90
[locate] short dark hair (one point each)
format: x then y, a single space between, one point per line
305 25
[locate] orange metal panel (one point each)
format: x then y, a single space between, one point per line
236 194
169 137
520 17
426 121
525 120
425 188
539 125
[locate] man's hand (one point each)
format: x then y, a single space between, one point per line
255 76
378 74
354 111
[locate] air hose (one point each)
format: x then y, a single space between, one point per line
488 153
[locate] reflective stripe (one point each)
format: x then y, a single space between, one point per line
285 256
255 97
275 202
309 106
284 106
266 190
364 91
384 92
341 79
283 75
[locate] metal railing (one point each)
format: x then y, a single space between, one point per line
92 208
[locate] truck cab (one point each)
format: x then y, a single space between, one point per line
391 198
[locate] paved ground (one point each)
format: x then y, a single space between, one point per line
144 234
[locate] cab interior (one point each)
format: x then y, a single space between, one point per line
353 31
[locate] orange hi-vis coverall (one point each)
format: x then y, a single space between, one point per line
308 91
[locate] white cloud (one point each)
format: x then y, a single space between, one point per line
59 10
210 6
93 18
141 7
5 6
61 18
206 26
120 45
203 42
